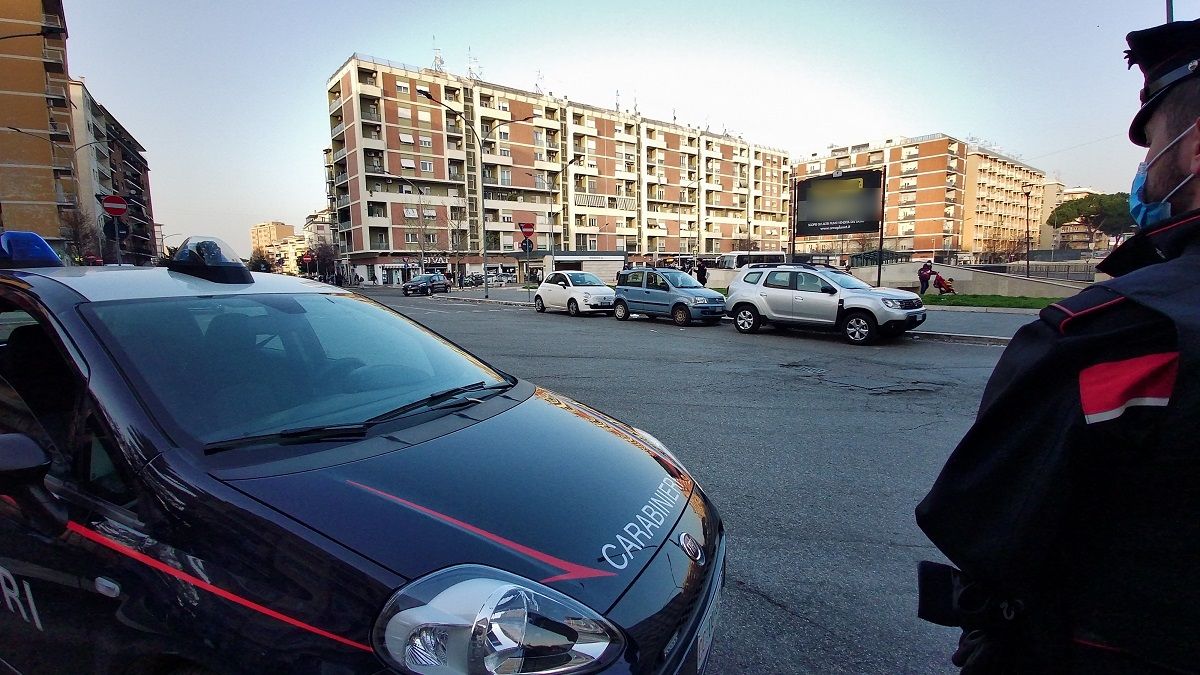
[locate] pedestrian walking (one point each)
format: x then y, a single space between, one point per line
702 273
923 275
1071 508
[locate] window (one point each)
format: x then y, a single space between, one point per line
504 135
431 238
506 218
506 176
505 152
592 221
430 214
778 280
424 116
422 88
753 277
377 209
502 105
410 213
426 166
635 278
408 163
809 283
656 282
405 113
406 138
401 88
410 237
426 141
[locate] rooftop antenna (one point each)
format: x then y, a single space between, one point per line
618 104
674 119
439 64
635 108
538 82
474 71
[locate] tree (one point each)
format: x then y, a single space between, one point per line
78 227
1099 214
260 262
326 258
453 220
863 241
745 244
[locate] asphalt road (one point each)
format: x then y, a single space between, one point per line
815 452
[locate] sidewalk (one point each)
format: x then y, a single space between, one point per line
976 325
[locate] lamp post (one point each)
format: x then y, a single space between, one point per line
1028 189
46 31
479 141
553 214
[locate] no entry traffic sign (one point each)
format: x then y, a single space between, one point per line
114 205
527 229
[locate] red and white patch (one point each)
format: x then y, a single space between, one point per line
1107 390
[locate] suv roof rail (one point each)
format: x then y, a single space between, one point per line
799 265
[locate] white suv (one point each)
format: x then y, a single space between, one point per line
818 297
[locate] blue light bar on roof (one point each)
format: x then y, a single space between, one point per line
26 249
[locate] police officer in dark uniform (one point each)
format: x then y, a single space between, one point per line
1072 506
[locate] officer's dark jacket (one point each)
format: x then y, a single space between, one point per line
1077 490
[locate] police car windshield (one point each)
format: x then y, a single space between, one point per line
227 367
848 281
584 279
681 280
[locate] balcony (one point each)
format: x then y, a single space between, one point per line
370 88
338 130
656 143
335 104
343 200
623 137
54 58
51 20
375 168
369 116
340 154
341 178
56 93
453 129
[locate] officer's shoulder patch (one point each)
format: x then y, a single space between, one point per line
1088 302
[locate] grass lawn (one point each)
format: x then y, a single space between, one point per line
933 299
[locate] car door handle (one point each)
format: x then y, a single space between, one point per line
763 294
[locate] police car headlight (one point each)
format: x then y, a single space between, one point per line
473 619
891 304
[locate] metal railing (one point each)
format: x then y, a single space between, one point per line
335 104
343 200
370 116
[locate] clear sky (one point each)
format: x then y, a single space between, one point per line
228 97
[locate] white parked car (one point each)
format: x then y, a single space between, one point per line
576 292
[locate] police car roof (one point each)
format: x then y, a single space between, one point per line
128 282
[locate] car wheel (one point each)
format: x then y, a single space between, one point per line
538 305
681 316
406 292
859 328
621 311
572 307
747 319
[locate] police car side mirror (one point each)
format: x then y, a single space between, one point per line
22 462
23 466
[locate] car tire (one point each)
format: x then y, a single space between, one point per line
406 292
681 315
746 319
538 305
572 307
621 311
860 328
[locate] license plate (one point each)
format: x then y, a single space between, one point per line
920 316
604 303
708 626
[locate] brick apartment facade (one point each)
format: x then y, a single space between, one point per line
946 200
405 177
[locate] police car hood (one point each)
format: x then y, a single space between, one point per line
548 489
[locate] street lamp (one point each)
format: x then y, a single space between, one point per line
479 140
1028 189
553 214
46 31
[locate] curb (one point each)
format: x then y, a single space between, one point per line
989 310
959 338
483 301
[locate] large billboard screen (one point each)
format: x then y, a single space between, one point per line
841 203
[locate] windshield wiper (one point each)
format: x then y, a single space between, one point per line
295 435
431 401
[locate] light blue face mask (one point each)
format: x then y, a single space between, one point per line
1152 213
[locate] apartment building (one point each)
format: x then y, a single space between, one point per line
946 200
110 161
317 227
1004 206
1075 236
406 176
37 162
923 199
263 235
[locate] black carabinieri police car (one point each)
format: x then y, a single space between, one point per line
208 470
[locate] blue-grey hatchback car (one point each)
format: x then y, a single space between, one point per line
666 292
